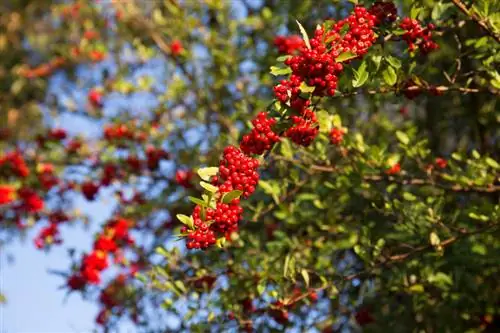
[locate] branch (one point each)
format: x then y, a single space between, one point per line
403 256
460 5
418 181
436 90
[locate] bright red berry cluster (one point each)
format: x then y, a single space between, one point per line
238 172
261 138
184 177
417 36
95 98
7 194
288 44
336 136
359 35
114 237
304 130
13 162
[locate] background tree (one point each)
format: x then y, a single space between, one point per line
377 205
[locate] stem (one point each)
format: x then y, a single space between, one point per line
482 23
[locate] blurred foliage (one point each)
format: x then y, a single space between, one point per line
412 252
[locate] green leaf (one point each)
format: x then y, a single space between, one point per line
187 220
360 76
304 35
416 289
261 287
209 187
377 59
305 276
220 242
206 173
415 11
283 58
286 149
198 201
336 121
402 137
161 251
393 61
285 267
389 75
345 56
230 196
492 163
305 88
277 71
434 239
409 197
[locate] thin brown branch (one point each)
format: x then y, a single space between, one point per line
482 23
436 90
422 182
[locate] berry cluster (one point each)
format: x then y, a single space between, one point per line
384 12
119 132
114 237
7 194
46 176
317 67
176 48
359 36
184 177
90 190
288 44
394 169
303 131
203 236
95 98
336 136
238 172
417 36
111 298
13 162
261 138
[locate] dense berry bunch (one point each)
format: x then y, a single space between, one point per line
303 131
315 67
359 36
225 217
336 136
30 200
238 171
288 44
417 36
110 241
14 162
203 236
123 132
384 12
7 194
262 137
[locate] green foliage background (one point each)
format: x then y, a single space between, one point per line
419 249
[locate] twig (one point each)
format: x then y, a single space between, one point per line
460 5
